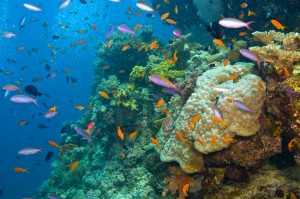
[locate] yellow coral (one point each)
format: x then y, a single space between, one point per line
136 73
163 69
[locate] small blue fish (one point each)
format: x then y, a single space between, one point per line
239 105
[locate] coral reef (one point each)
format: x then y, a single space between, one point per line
281 50
246 89
164 69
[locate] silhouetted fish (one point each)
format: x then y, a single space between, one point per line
73 79
83 1
49 156
215 30
30 89
42 126
47 67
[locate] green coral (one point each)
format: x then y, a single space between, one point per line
126 97
136 73
163 69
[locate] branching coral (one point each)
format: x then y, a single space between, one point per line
281 50
164 69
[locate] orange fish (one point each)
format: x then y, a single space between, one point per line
120 134
73 165
286 72
89 127
52 109
154 141
22 122
250 13
170 61
233 77
213 141
167 1
171 21
66 70
261 85
89 106
115 92
164 16
94 27
154 44
140 48
137 26
167 54
124 48
219 120
175 56
81 41
157 6
226 62
241 16
165 111
185 189
105 67
278 25
227 140
122 155
54 144
291 143
176 9
19 169
241 34
159 102
201 142
244 5
109 43
104 95
218 42
192 125
79 107
132 135
143 74
195 118
180 136
229 99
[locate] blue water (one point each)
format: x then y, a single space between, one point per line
62 94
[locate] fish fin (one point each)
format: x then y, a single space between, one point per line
34 101
248 23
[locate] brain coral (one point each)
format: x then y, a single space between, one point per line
188 152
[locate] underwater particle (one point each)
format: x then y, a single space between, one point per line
49 156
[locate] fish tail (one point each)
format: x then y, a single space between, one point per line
248 23
34 101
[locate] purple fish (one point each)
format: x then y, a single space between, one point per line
53 196
50 114
235 23
8 35
171 91
84 134
246 53
10 87
125 29
52 75
241 106
24 99
109 32
171 88
177 33
217 113
29 151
